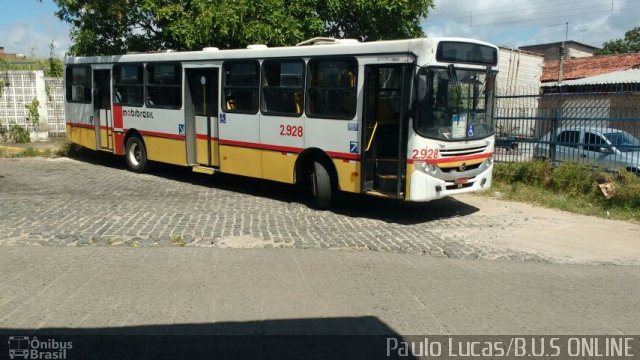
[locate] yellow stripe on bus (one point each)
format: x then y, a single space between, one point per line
407 192
240 161
457 164
348 175
202 154
82 136
278 166
172 151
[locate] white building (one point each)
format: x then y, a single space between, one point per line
518 90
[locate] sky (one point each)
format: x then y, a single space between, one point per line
515 23
28 26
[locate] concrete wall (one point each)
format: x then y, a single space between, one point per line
21 87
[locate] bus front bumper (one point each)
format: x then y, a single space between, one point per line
426 187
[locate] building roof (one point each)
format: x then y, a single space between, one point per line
528 47
631 76
589 66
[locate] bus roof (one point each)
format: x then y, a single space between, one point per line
312 47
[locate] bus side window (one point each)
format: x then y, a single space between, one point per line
128 84
332 88
240 86
78 84
282 87
164 85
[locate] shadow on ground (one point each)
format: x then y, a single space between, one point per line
352 205
316 338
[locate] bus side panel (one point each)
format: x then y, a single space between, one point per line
202 154
80 127
240 161
166 150
82 135
278 166
348 175
161 130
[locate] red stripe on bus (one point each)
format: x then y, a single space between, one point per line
161 135
204 137
452 158
81 125
117 116
285 149
119 143
261 146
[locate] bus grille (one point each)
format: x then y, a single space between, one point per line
462 152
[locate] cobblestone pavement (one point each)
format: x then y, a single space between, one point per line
95 201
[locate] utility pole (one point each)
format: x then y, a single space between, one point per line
563 51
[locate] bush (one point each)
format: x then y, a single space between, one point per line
18 134
570 182
627 191
536 173
575 179
4 133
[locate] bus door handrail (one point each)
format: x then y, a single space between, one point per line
373 133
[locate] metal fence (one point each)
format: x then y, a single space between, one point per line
593 125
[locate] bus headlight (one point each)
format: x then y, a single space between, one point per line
489 161
428 168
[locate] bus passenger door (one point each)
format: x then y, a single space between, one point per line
201 116
103 117
385 128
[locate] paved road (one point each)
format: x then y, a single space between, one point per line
95 201
272 291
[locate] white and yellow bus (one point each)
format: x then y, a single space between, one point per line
405 119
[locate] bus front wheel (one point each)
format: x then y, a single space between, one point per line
136 154
321 186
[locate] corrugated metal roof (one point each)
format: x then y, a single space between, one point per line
617 77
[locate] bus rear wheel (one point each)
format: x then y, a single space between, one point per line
321 186
136 154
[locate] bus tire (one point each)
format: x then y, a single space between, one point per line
321 186
136 154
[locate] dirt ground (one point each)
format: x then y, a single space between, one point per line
559 235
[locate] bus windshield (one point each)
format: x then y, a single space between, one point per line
455 104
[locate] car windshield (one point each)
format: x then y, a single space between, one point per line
623 141
455 104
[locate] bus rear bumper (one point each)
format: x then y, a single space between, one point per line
425 187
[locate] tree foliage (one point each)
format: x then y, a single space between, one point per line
630 44
103 27
55 68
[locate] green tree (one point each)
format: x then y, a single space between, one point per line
101 27
55 65
369 20
630 44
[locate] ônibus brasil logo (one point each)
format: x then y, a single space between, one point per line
24 347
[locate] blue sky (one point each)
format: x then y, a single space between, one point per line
28 26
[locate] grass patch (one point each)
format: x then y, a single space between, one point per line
70 150
569 187
26 152
177 240
65 149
